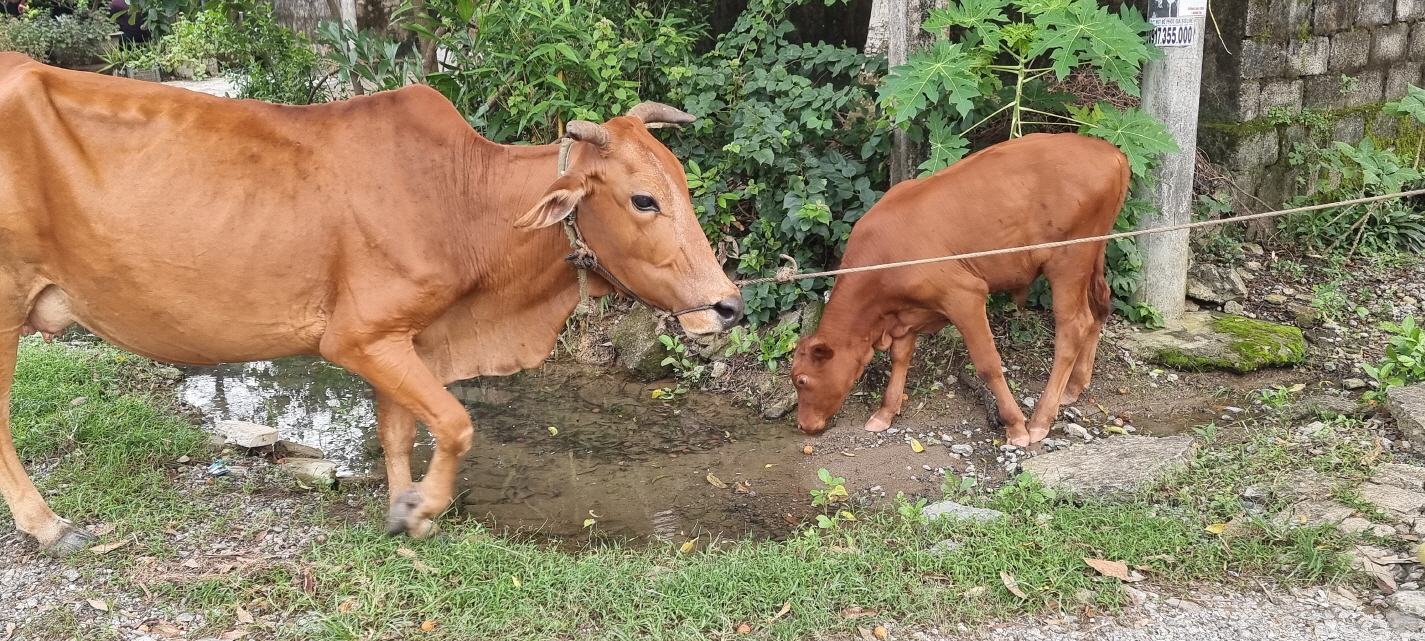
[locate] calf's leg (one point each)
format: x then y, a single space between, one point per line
1083 366
1072 321
32 515
967 312
901 350
390 364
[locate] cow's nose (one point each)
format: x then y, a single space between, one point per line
729 311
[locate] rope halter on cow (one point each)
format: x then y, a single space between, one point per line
583 258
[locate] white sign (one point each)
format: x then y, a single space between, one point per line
1175 32
1176 8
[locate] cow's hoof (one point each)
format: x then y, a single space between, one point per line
402 511
1068 399
877 424
72 540
1036 435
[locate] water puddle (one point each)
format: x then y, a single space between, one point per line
635 465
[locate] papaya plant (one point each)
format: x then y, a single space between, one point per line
993 60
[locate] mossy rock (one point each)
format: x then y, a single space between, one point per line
635 339
1208 340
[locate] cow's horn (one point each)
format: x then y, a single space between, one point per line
657 114
586 131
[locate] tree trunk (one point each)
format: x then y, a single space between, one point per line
898 19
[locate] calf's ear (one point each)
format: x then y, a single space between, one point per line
821 352
561 199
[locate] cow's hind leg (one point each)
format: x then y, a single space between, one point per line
391 366
32 515
901 350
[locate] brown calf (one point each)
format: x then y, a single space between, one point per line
1037 189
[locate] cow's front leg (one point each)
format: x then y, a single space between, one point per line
901 349
967 311
396 426
391 366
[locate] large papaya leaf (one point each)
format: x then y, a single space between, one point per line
1138 134
1084 32
942 76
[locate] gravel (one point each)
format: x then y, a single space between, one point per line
1312 614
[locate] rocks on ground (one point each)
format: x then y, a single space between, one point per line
1407 404
1213 284
953 510
635 339
244 434
1112 467
1207 340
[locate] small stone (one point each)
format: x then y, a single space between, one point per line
1353 384
1410 603
1182 604
1077 431
779 405
1275 299
955 510
310 470
293 449
719 370
1406 403
1234 307
807 449
244 434
963 449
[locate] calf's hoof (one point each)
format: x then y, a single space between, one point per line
70 540
404 517
877 424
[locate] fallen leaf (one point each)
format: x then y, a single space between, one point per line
110 547
854 612
1297 388
866 634
166 630
183 459
231 635
1012 585
406 552
1216 528
915 446
243 616
848 454
688 546
515 580
791 519
553 431
427 625
344 607
421 565
880 632
1114 429
717 482
807 449
99 605
588 522
847 515
741 488
744 629
191 563
1115 569
786 607
768 466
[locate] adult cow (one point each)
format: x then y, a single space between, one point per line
1037 189
381 233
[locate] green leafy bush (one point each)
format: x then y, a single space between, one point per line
1404 361
1338 171
265 60
69 40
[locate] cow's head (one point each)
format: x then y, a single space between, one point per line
823 374
633 209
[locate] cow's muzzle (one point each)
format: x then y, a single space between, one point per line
728 310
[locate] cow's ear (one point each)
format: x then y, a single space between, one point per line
561 199
821 352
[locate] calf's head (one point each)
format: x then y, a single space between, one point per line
823 371
631 201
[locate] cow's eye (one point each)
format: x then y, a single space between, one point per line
644 202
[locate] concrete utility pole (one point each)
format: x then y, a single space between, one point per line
1170 93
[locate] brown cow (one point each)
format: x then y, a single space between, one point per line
1037 189
381 233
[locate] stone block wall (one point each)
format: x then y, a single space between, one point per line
1278 72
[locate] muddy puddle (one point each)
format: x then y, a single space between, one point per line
554 448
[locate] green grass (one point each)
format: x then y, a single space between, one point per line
473 584
106 451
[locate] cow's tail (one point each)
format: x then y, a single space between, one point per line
1099 294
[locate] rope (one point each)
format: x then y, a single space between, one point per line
788 274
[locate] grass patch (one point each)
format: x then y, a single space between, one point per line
100 458
469 583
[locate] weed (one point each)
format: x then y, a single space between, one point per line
1404 361
683 366
1208 433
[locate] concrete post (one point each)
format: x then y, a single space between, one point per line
898 53
348 12
1170 92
